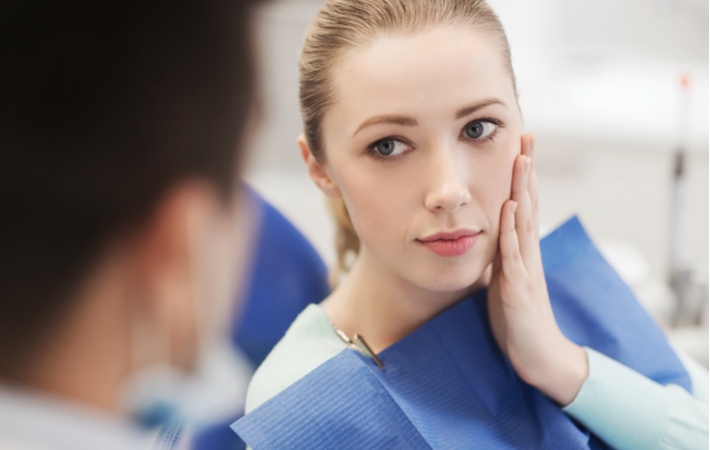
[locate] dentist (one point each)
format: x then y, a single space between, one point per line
122 129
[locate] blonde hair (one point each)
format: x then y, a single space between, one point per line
346 24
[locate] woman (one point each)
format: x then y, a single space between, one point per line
413 130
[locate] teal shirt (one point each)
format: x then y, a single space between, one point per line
621 406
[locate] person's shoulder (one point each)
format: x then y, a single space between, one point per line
309 342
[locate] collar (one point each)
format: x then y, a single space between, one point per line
31 420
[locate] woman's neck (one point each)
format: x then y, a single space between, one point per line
383 307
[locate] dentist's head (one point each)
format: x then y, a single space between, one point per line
122 129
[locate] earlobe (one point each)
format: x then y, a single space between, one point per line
317 171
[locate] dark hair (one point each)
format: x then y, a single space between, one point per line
104 105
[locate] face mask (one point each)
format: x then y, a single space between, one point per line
213 393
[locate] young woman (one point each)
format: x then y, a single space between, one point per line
413 130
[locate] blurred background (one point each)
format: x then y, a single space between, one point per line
617 92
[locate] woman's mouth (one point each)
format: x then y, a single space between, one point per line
451 244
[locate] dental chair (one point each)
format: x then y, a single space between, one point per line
287 274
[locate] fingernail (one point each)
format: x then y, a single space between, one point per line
527 164
515 207
533 141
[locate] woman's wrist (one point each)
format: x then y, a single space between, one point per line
563 375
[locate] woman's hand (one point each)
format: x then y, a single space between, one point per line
518 303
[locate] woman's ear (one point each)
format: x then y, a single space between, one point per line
318 172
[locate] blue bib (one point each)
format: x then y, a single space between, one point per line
448 386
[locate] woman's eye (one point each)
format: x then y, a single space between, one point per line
479 129
389 147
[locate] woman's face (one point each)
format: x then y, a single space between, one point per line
420 141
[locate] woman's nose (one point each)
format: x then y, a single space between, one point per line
449 189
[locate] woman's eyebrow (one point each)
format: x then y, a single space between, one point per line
463 112
412 122
387 118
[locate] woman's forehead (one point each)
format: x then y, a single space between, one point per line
431 72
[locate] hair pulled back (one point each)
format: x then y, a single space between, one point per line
343 25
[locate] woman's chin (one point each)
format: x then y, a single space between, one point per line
464 280
452 284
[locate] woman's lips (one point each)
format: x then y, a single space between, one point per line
452 244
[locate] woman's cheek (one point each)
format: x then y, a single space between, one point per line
494 184
510 149
375 204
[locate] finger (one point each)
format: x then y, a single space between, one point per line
511 260
529 141
523 215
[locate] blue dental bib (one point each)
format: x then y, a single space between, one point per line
448 386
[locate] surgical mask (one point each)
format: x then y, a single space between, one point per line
212 393
214 390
